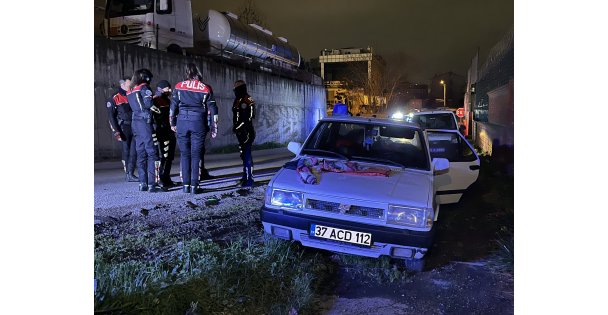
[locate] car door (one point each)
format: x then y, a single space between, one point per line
464 164
164 20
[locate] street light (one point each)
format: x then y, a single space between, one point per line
443 83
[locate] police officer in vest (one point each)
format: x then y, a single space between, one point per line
165 136
243 113
189 105
340 109
148 161
119 116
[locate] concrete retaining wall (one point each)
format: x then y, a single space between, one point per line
287 109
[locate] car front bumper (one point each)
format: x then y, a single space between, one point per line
388 241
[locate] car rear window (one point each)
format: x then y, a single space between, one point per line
436 121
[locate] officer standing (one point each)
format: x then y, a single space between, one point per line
119 116
140 100
340 109
243 112
189 105
165 140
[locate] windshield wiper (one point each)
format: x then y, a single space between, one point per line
371 159
326 151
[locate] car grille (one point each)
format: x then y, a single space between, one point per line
361 211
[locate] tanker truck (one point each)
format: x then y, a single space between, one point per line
170 25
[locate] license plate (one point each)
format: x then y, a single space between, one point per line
341 235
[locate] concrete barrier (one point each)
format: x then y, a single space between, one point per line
287 109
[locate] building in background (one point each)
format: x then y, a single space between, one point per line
354 74
489 98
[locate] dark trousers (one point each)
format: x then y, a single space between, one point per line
245 139
129 157
148 161
166 149
191 133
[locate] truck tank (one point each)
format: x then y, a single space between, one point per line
223 34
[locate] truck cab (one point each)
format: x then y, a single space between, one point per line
159 24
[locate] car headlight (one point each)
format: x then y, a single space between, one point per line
286 199
397 115
410 216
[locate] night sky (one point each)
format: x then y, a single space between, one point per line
426 36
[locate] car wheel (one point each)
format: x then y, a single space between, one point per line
416 265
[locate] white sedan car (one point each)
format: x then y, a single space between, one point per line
379 190
436 119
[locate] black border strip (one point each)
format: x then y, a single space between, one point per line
450 192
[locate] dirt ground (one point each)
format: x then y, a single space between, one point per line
460 276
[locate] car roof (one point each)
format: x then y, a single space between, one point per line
383 121
434 112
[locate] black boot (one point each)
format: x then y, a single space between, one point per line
167 182
143 187
196 190
186 189
130 177
243 178
205 175
165 174
248 182
155 188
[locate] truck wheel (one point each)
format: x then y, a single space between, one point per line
175 49
416 265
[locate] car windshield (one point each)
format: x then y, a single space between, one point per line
436 121
391 145
117 8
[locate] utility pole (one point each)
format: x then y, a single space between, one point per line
443 83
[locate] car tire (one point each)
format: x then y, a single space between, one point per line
412 264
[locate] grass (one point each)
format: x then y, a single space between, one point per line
235 148
501 198
505 255
381 270
200 277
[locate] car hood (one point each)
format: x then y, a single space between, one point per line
410 188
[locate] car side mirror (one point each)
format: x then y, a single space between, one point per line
294 147
440 166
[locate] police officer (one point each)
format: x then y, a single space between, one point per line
189 105
165 136
243 113
119 116
140 100
340 109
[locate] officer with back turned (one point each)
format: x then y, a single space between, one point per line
190 103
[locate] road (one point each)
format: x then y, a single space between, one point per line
114 195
